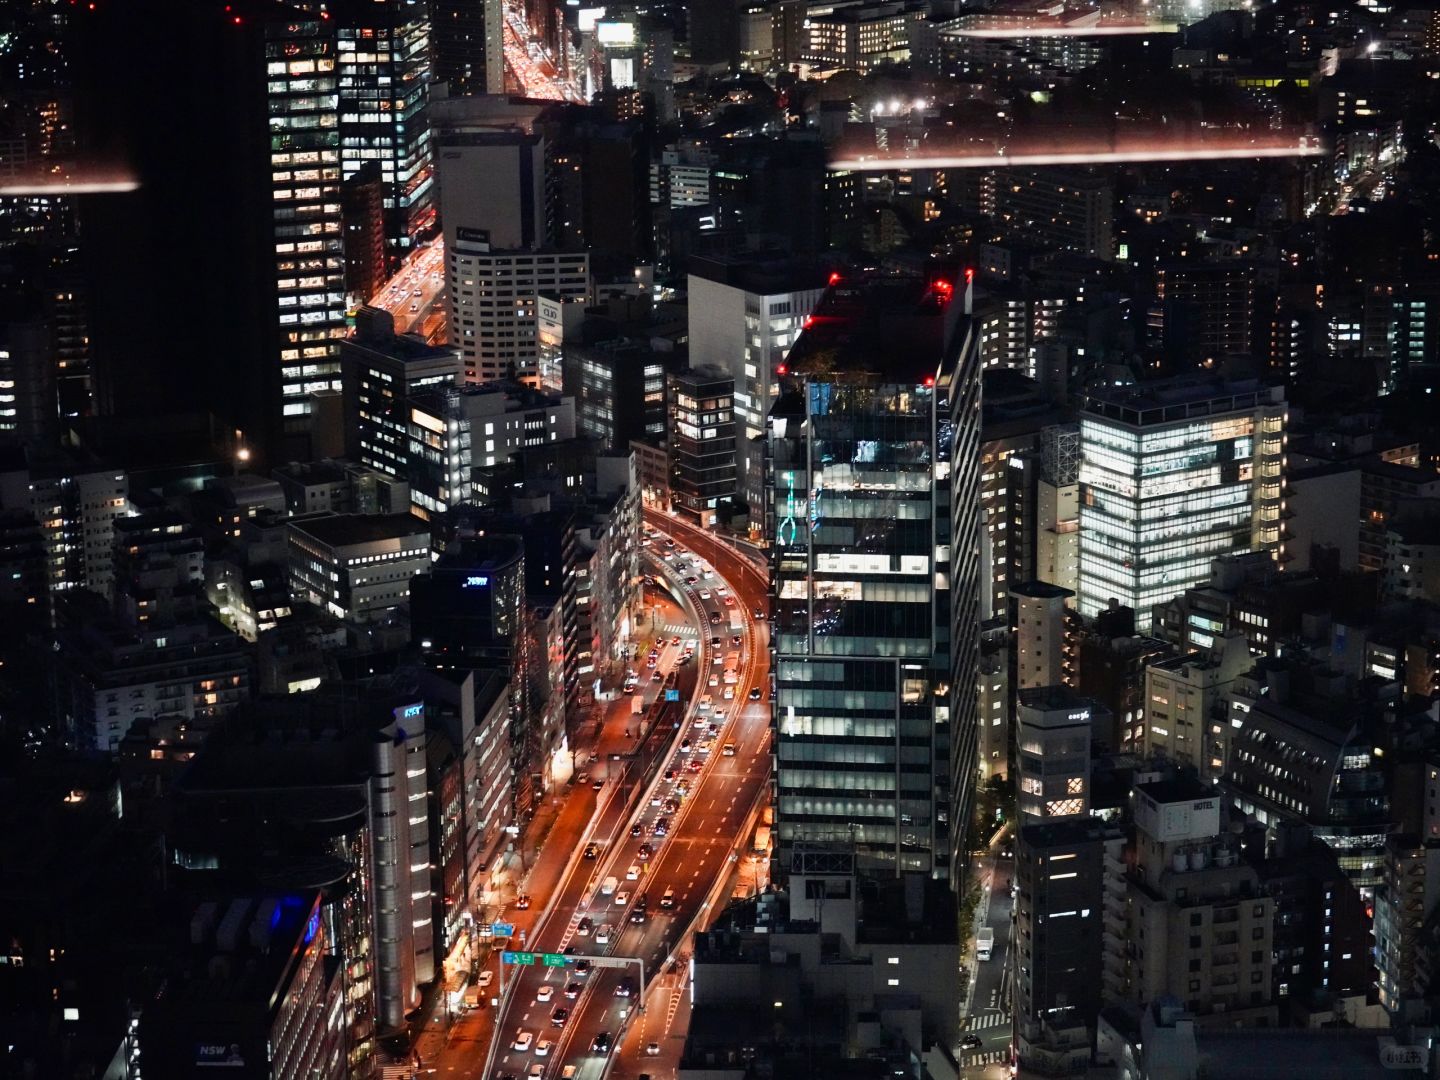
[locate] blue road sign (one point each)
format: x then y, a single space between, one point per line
502 929
672 695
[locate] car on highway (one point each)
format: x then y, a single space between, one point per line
704 594
559 1016
971 1042
602 1043
624 988
692 580
522 1042
637 830
671 805
729 694
735 640
659 676
581 968
652 1049
598 785
572 990
729 750
684 746
696 765
662 826
669 775
602 936
759 613
584 926
729 601
715 641
715 617
669 543
754 693
621 899
484 978
545 993
645 849
542 1048
523 901
705 747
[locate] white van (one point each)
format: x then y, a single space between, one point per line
608 886
668 900
705 702
633 874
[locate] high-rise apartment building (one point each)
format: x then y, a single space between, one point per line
1204 310
745 313
865 463
1070 210
383 76
1174 474
1044 645
492 299
492 180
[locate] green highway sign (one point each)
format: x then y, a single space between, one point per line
552 959
522 958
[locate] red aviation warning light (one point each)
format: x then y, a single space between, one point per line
835 277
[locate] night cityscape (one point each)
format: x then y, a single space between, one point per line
719 540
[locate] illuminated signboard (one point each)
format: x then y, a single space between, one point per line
475 582
615 33
219 1055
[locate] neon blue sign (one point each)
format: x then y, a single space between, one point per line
475 583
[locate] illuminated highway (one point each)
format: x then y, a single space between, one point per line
531 64
416 293
708 799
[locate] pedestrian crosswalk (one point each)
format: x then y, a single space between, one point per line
987 1020
984 1057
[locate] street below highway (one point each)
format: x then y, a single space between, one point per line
989 1016
414 293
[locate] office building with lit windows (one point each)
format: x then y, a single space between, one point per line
702 442
1173 475
383 68
745 313
305 192
492 302
864 462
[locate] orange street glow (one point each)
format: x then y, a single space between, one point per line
80 182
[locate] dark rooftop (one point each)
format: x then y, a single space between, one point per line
340 530
890 326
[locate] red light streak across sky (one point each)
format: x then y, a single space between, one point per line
1098 30
1103 151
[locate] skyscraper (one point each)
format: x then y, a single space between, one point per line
469 45
383 64
860 488
301 85
227 297
1175 474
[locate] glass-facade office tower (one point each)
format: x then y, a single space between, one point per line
305 192
383 58
859 507
1175 474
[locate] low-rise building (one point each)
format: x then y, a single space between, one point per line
357 567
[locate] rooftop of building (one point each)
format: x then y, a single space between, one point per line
1181 787
885 326
1184 397
246 948
1051 698
1040 590
375 330
343 530
514 394
763 273
492 551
